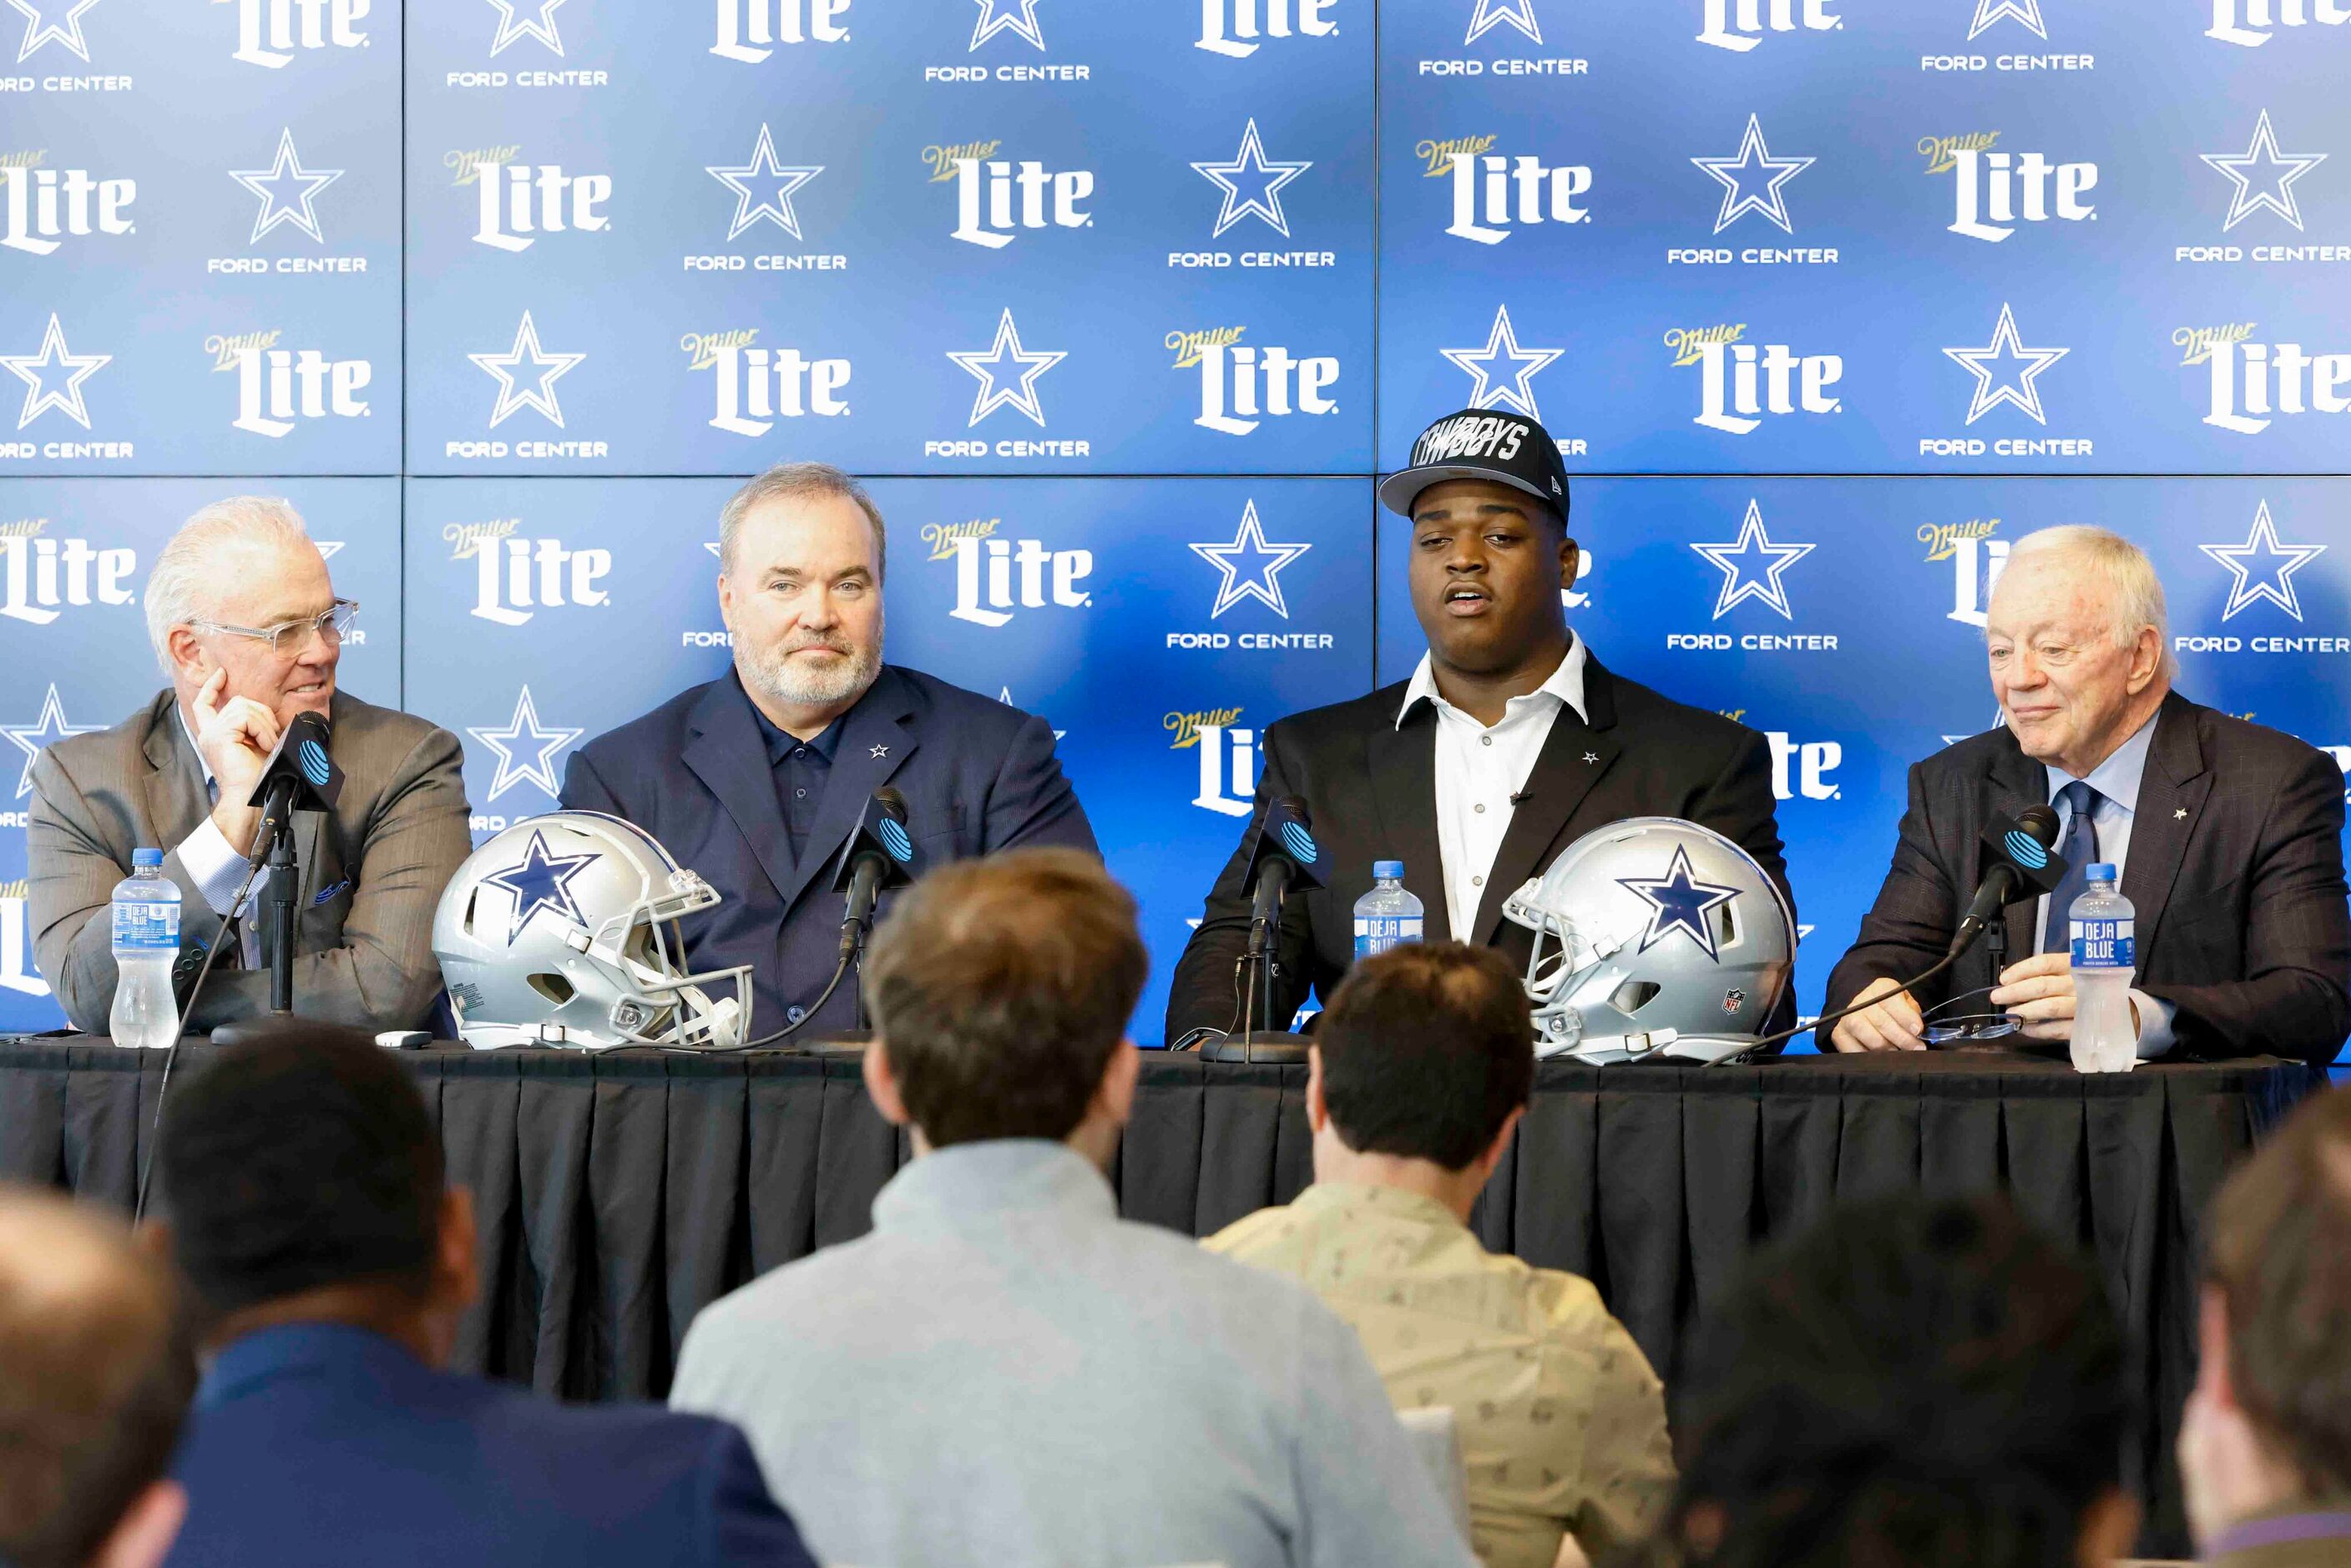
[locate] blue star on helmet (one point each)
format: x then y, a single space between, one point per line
1679 902
542 881
1750 180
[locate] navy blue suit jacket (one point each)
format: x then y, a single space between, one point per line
314 1443
978 776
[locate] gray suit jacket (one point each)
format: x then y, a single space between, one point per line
372 871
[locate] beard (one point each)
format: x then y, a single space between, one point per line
775 676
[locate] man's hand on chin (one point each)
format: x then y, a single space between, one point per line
236 737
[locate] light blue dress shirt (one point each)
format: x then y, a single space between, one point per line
2116 780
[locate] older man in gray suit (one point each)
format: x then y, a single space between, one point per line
245 622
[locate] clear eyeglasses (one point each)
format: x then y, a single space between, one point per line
1966 1028
292 636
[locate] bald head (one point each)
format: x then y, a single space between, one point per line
95 1375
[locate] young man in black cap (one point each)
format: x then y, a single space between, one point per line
1509 743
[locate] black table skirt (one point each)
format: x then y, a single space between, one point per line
618 1194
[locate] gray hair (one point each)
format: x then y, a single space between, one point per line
796 482
2134 592
177 587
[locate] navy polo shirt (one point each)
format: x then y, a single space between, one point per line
803 770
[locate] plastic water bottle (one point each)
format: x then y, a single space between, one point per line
2102 925
146 945
1387 916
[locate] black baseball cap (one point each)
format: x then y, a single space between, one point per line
1481 444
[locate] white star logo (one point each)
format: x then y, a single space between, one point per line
29 739
547 367
1509 391
878 751
2263 154
286 189
1263 563
2279 563
525 736
68 32
777 208
2025 11
1005 697
66 399
2020 393
511 28
1019 391
1016 17
1751 566
1264 177
1490 13
2179 813
1740 195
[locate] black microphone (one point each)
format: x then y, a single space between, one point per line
2021 867
300 776
879 856
1285 856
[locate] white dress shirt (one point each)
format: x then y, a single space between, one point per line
1480 770
2116 780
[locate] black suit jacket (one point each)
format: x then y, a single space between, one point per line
2235 871
1371 790
978 776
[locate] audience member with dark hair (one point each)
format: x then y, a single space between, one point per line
1006 1373
1911 1384
302 1181
2265 1443
1419 1073
94 1374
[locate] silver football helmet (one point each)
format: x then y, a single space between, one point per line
560 931
1653 937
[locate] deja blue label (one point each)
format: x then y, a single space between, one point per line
147 927
1378 933
2104 943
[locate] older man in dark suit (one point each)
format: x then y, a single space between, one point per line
2229 836
247 624
1509 742
757 778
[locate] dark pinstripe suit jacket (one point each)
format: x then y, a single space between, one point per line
2235 868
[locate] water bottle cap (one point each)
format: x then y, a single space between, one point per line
1387 870
2100 872
145 857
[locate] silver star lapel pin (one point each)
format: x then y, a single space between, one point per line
1592 757
2179 815
881 751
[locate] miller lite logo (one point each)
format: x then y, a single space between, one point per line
1740 383
274 386
1994 191
1803 768
748 30
1241 383
1237 29
44 205
754 387
996 198
42 577
2249 24
17 970
995 578
2250 383
1227 755
516 203
1492 193
515 577
1977 561
1739 25
268 31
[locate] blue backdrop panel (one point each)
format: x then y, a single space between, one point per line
74 654
1844 618
205 201
1802 264
799 260
1157 627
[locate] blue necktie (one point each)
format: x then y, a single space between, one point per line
2080 847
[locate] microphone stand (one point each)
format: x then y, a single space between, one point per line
285 871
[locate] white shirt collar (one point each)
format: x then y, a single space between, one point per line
1565 686
2117 778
